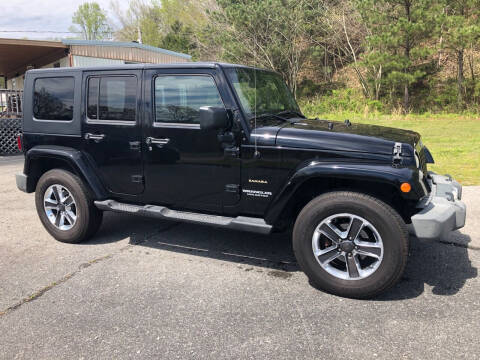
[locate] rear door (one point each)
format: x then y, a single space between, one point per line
112 131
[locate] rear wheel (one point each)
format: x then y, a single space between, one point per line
65 207
350 244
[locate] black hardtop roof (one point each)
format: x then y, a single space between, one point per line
186 65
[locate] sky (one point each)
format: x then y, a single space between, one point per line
46 15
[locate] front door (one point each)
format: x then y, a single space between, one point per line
111 130
185 167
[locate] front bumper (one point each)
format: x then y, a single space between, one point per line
21 180
442 211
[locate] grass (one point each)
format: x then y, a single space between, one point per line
453 139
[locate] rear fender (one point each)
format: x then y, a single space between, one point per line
75 160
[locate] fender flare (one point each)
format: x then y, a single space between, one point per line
377 173
75 158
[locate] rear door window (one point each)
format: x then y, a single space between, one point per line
112 98
53 98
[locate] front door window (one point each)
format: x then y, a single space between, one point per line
178 98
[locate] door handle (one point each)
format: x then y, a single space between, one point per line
95 137
159 142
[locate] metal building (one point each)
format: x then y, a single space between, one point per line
18 55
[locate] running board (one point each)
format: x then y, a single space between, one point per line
243 223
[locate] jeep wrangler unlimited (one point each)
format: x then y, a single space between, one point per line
226 145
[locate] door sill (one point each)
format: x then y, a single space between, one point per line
243 223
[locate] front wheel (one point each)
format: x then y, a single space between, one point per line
350 244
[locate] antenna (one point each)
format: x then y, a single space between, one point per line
256 154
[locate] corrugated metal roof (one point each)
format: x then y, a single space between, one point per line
124 44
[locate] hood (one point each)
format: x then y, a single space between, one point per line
334 135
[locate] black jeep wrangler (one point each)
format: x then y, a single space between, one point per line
226 145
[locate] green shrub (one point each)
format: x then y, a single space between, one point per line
435 97
308 88
340 100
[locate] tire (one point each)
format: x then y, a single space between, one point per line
377 221
75 229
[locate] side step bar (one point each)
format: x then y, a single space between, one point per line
243 223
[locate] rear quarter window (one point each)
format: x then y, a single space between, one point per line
53 98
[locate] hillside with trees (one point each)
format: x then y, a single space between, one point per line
387 55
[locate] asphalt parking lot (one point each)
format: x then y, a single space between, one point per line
148 289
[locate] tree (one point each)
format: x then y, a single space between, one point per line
92 21
142 22
275 34
400 34
461 31
343 38
170 24
179 38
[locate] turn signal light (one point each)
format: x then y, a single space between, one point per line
405 187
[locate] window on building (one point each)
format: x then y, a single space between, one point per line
112 98
53 98
178 98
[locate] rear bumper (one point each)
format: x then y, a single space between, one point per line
21 180
443 210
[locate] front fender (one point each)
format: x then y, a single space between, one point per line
376 173
73 157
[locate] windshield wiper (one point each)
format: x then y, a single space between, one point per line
271 115
293 112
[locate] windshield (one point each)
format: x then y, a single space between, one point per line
273 95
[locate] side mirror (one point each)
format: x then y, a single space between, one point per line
212 118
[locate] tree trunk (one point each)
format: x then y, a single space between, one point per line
406 97
460 77
471 60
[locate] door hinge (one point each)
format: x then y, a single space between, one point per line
232 188
137 178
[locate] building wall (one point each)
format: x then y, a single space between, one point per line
85 61
128 54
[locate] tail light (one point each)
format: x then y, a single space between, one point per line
19 141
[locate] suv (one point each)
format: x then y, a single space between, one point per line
226 145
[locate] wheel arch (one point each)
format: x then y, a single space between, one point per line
311 181
40 159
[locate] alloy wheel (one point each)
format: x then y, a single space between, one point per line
60 207
347 246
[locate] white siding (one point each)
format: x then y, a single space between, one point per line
129 54
85 61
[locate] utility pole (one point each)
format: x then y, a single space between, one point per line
139 40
